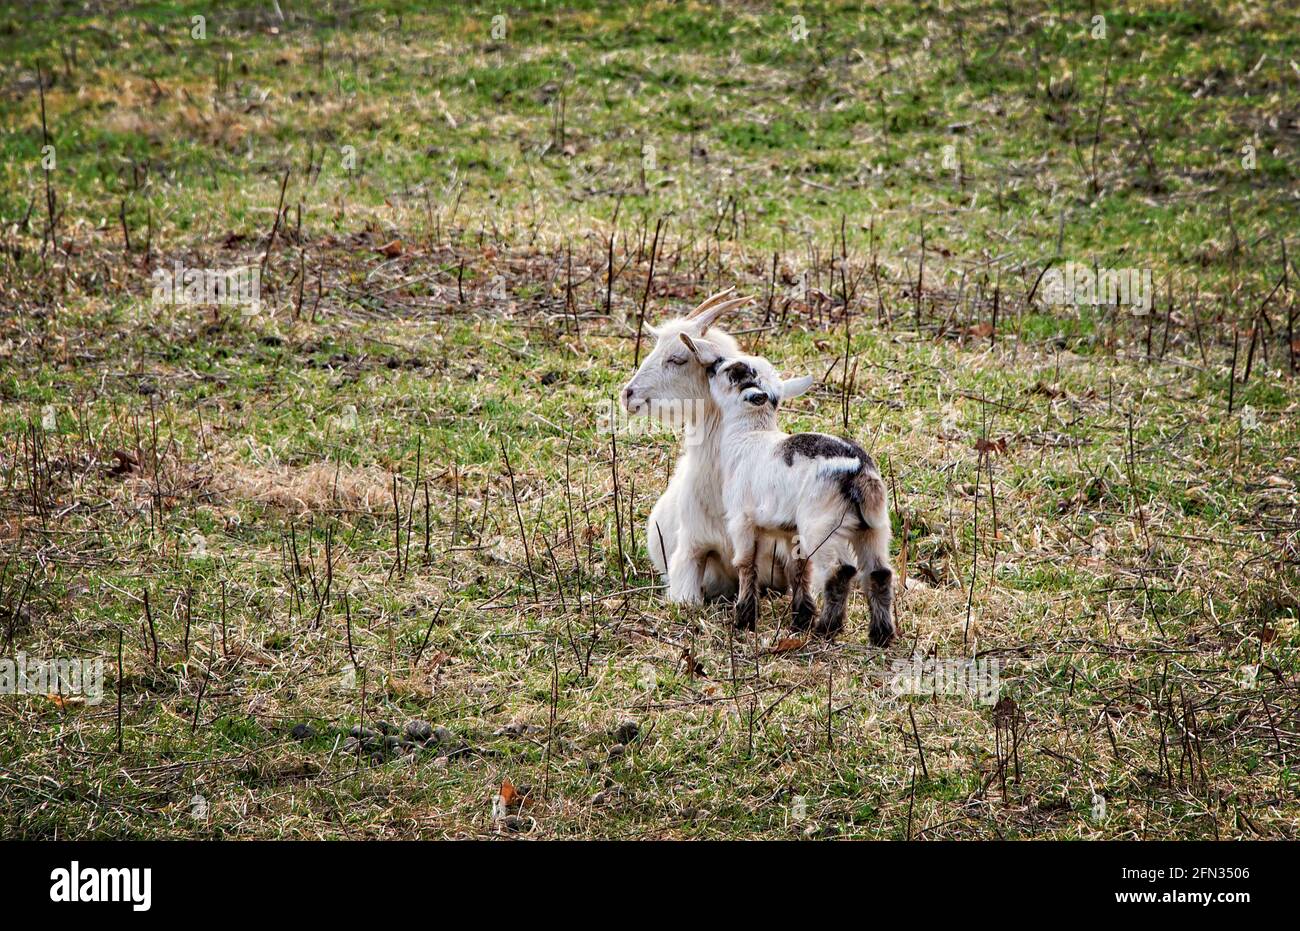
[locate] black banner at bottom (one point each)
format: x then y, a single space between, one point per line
141 880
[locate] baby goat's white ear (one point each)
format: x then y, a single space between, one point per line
793 387
704 351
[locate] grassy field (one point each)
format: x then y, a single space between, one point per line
384 495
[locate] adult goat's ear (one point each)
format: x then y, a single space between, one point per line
705 352
793 387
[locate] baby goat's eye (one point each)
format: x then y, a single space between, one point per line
677 360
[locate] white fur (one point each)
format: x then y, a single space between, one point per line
686 533
801 501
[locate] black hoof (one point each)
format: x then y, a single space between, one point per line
828 627
801 613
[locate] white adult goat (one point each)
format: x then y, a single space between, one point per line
686 533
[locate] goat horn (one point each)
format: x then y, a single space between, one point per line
717 310
709 302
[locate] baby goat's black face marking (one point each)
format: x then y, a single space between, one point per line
742 378
741 375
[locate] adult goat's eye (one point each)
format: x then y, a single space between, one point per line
677 360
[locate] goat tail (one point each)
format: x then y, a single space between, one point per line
867 494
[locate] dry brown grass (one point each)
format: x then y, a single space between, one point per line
316 488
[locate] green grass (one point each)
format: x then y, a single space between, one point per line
1140 569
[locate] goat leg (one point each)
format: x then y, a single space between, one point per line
747 601
880 598
802 605
835 600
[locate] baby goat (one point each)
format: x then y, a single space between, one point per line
822 493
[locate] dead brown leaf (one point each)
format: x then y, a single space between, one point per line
985 446
124 464
693 668
786 645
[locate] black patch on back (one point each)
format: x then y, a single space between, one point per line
821 446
